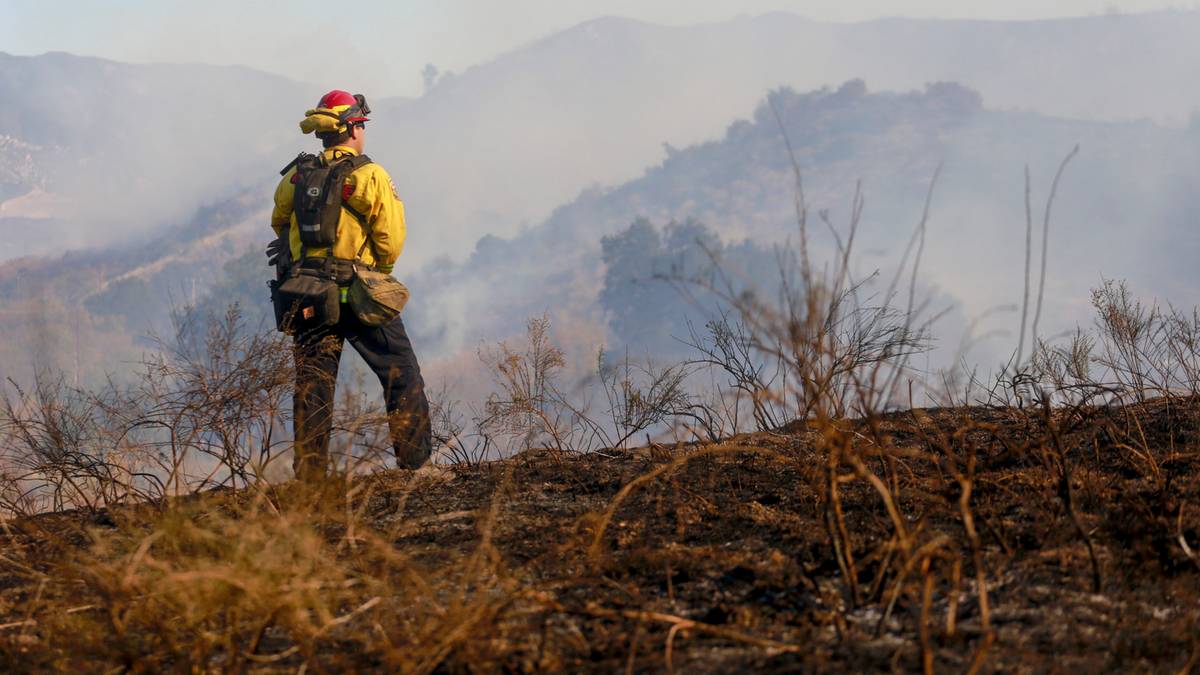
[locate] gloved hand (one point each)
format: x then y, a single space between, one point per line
276 249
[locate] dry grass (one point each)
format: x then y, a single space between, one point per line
964 554
231 582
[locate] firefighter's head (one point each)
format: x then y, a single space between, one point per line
338 119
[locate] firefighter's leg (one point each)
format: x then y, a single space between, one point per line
389 353
317 353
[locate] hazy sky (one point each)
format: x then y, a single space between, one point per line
381 45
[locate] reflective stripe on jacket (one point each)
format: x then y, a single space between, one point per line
372 195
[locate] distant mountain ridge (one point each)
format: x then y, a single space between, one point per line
513 171
497 147
502 143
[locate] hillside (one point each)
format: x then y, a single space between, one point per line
109 152
90 313
694 558
496 148
607 94
1130 191
1122 211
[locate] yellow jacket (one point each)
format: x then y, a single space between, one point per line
374 196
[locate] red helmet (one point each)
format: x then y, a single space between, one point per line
349 107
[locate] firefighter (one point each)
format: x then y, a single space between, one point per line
363 228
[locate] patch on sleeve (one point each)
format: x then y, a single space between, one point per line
394 192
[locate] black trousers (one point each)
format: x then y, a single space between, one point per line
389 353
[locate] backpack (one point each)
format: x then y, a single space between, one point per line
319 197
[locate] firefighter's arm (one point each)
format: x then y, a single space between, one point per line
281 214
279 250
385 215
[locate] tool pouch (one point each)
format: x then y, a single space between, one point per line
305 299
375 297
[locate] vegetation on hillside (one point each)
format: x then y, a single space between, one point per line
1129 190
1124 192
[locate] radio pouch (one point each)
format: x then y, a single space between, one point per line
305 299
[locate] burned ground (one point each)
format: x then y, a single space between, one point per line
825 546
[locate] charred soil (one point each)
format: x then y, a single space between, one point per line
996 540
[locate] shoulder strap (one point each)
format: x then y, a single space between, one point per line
362 221
356 162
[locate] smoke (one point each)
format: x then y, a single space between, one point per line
126 151
1120 212
498 147
512 171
